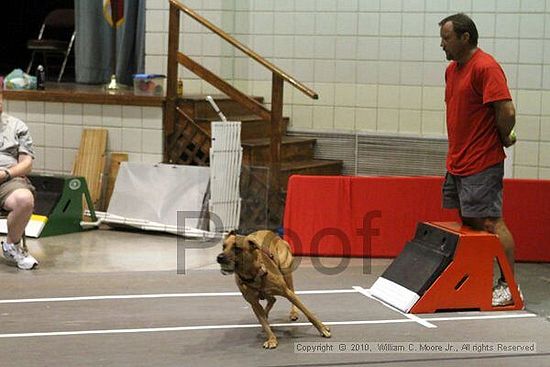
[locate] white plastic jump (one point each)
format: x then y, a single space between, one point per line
225 170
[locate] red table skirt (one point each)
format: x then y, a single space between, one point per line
377 216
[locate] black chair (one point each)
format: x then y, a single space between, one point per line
55 40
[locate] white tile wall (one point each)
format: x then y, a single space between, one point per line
388 96
54 136
72 114
388 120
375 62
433 123
17 109
365 119
368 24
410 121
35 111
545 129
460 6
410 97
413 6
528 102
436 5
529 129
54 113
544 159
507 5
304 114
344 117
56 129
531 25
38 134
527 153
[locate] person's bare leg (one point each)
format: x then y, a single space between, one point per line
498 227
20 205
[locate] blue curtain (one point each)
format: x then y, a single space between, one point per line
93 47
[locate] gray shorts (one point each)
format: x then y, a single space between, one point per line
475 196
10 186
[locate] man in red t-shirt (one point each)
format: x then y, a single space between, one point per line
480 121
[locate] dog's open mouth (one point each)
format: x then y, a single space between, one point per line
227 269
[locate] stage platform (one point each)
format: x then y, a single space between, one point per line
92 94
83 93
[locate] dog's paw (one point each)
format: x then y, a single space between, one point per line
271 343
293 316
325 331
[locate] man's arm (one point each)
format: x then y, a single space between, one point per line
22 168
505 114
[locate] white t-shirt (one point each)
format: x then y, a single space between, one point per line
16 140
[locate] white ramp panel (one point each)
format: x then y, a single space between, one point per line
225 169
157 192
394 294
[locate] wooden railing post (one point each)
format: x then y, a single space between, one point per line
276 135
172 77
275 116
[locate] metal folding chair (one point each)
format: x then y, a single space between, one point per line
56 37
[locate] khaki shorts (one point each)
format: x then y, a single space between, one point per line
10 186
475 196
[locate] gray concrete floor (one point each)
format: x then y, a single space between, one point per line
116 298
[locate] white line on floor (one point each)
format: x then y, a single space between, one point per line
412 317
220 327
160 295
483 317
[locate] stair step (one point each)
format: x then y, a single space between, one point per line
252 127
296 152
203 109
305 167
293 148
310 167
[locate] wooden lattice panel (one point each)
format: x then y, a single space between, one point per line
189 144
256 212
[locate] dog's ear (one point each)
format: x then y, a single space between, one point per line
253 243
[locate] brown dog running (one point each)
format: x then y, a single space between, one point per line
262 264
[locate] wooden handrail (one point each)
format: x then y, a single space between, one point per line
274 116
190 119
225 87
274 69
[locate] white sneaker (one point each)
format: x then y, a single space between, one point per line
17 255
502 295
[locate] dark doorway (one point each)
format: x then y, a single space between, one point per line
21 21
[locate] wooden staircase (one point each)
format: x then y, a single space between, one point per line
270 156
190 144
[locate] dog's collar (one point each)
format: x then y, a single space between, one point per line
267 253
255 280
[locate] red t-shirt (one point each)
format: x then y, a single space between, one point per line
474 142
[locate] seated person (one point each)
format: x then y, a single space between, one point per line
16 191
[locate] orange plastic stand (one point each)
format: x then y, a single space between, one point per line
467 282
